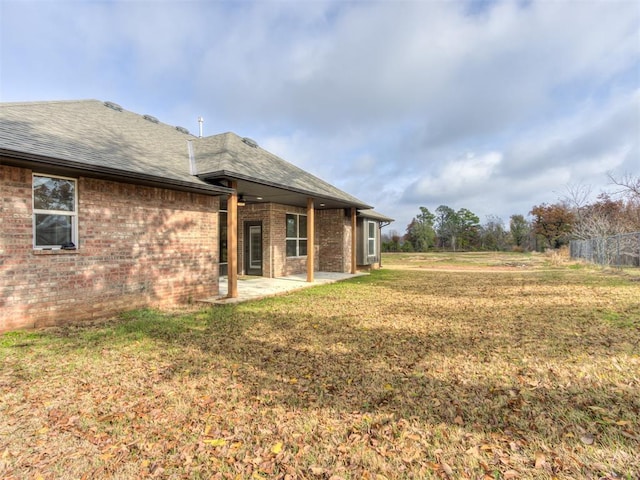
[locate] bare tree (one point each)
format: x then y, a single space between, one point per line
577 196
577 200
628 185
605 225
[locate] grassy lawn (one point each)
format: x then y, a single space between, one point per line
478 366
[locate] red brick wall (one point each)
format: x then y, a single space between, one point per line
255 212
274 260
138 246
284 265
332 239
334 250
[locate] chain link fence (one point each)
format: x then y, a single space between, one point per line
618 250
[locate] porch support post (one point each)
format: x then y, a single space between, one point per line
311 233
232 242
353 240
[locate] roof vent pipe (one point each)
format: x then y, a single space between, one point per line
200 121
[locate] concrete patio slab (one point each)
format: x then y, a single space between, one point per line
254 288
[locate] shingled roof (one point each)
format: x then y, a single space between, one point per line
105 139
102 140
373 215
228 156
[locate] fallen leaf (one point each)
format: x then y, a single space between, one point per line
540 460
587 439
447 469
474 451
511 474
216 442
630 435
277 448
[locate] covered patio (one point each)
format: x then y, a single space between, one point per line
253 288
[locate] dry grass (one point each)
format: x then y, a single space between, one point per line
439 366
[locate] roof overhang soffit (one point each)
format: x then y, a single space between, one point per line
257 192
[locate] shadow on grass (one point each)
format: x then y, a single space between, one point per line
517 372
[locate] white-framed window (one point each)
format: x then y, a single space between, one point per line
296 235
371 238
55 212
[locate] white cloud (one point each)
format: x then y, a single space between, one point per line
457 179
383 99
609 131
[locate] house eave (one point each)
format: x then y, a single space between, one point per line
336 202
69 167
373 215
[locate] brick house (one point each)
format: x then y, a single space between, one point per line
103 210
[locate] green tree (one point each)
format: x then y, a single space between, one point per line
468 228
519 230
420 232
457 229
407 247
391 241
494 235
446 223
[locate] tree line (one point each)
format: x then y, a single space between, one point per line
553 225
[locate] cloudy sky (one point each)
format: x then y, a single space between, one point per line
493 106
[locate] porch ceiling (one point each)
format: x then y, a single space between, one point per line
252 192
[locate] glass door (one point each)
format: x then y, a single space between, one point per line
253 248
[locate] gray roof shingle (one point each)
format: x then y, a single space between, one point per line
228 156
373 215
88 133
92 134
